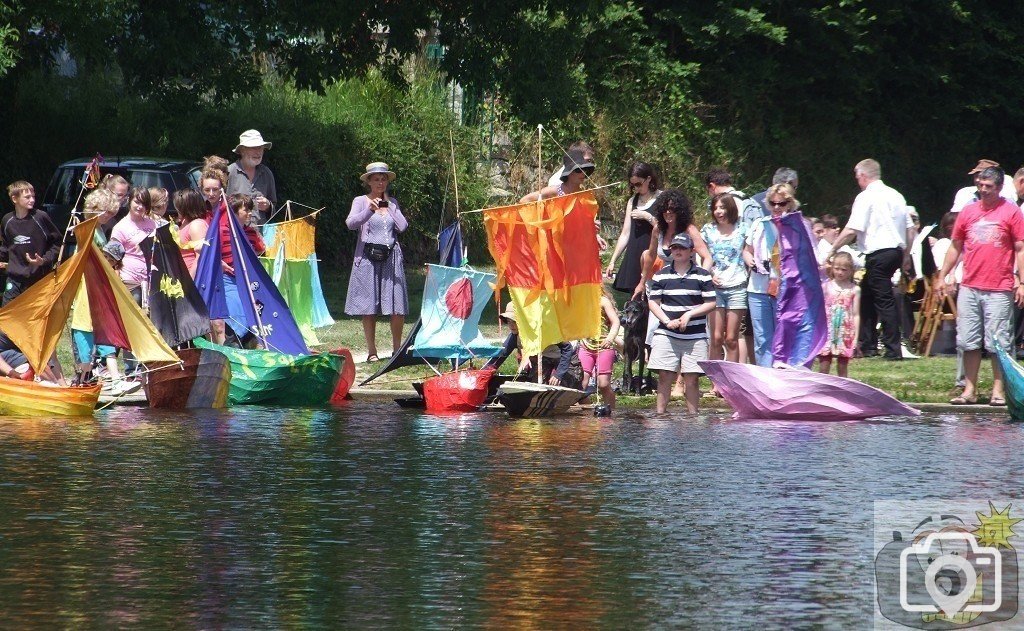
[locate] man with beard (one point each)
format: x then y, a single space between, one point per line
249 176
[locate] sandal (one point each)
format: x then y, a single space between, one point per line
997 402
961 400
372 358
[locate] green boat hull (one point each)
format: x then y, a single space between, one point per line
271 378
1013 384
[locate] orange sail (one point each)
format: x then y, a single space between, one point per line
546 253
35 320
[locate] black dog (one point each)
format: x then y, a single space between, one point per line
633 319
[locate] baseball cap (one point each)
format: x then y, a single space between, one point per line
682 240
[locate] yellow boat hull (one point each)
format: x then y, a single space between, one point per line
27 398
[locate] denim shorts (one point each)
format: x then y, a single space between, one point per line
734 298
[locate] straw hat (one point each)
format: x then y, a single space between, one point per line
377 167
509 313
252 138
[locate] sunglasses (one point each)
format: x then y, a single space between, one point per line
633 184
778 204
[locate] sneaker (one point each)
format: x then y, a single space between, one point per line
603 411
907 354
123 387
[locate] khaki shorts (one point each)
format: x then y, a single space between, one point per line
672 353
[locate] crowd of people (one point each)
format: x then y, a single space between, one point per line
711 291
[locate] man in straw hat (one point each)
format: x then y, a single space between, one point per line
249 176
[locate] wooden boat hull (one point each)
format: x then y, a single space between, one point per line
272 378
755 392
459 391
1013 385
202 382
27 398
533 400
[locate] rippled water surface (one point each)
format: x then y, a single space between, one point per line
367 515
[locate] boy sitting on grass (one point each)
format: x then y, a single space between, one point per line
680 297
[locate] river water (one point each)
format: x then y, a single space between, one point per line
367 516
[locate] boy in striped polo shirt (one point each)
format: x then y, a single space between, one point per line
680 297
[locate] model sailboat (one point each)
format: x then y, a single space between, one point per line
178 312
35 320
546 254
284 372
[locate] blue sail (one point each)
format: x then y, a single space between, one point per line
449 245
453 301
266 313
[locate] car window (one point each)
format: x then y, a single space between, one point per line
193 178
59 190
149 179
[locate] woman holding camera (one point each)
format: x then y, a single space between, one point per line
377 284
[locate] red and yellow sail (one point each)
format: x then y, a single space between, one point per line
35 320
546 253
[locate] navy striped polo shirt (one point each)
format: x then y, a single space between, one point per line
680 293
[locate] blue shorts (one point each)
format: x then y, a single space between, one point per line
733 298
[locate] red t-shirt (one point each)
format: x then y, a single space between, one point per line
988 238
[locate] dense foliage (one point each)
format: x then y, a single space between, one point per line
926 87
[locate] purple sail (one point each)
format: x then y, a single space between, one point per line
802 329
755 392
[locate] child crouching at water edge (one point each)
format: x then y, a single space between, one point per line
681 296
599 354
842 308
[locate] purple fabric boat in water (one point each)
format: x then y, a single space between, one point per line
755 392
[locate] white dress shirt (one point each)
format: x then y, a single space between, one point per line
880 217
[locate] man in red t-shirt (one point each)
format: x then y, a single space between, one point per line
990 233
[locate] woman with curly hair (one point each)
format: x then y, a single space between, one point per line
673 214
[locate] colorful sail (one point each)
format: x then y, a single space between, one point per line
453 301
266 313
802 329
291 260
175 306
116 319
546 253
35 320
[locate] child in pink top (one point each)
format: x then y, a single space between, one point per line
842 308
131 231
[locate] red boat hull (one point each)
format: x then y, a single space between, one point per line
460 391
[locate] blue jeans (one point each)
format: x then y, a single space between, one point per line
762 315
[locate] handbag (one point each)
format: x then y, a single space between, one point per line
376 252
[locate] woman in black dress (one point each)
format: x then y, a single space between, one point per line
635 236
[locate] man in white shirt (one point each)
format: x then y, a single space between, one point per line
1018 185
969 194
883 228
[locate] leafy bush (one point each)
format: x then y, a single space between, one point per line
322 143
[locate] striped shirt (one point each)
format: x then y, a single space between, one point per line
680 293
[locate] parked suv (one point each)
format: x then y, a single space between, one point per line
65 185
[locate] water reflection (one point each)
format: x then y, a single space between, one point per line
367 515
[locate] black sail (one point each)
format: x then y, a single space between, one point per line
175 306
